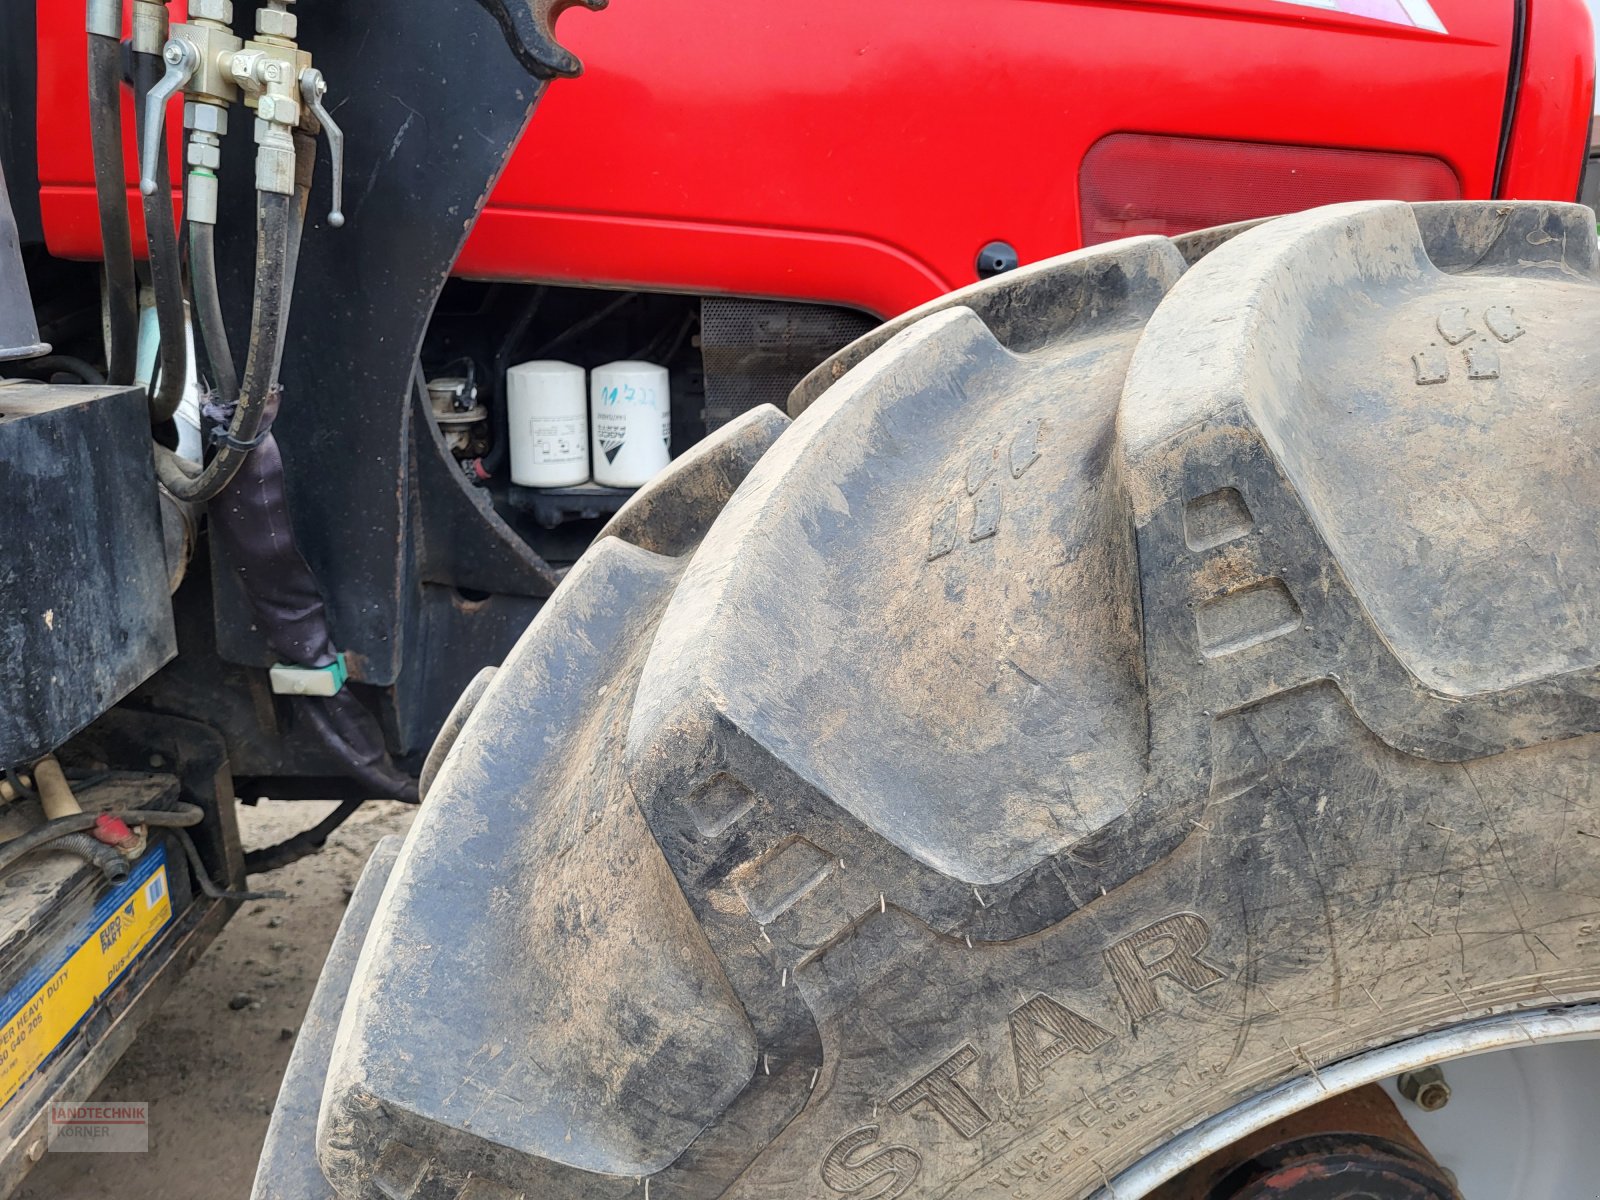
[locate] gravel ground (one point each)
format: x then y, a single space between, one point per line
209 1062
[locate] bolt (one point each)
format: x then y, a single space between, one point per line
36 1150
173 53
1426 1088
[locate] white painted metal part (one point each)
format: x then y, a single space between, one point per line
1523 1119
1521 1123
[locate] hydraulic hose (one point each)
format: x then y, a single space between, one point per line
207 301
258 388
252 520
305 165
111 192
166 265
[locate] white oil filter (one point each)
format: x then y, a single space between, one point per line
630 422
547 416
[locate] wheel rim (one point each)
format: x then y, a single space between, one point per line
1471 1040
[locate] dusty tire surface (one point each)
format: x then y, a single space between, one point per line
1130 684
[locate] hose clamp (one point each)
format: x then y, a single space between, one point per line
224 437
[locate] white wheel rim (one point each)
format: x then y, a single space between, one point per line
1513 1031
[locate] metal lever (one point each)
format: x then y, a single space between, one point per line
182 60
313 87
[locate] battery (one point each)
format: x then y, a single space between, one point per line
76 953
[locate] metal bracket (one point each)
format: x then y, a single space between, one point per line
529 27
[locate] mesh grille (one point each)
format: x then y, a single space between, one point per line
755 351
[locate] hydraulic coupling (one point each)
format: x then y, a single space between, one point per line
270 73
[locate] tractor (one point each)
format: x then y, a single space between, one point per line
987 599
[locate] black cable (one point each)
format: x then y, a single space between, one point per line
50 364
492 463
258 388
649 350
204 880
586 324
68 833
301 845
363 758
42 835
111 192
166 268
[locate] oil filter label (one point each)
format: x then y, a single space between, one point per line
610 432
558 439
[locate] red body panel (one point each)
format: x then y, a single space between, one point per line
1556 85
862 153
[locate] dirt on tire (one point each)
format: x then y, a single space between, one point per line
1129 684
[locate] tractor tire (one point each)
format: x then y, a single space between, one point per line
1132 684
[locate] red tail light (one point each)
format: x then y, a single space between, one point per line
1133 183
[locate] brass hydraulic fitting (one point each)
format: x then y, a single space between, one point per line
269 72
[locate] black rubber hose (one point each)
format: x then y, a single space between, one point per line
207 301
258 388
179 817
112 865
166 265
111 191
301 845
50 364
305 166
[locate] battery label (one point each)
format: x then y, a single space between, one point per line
42 1010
